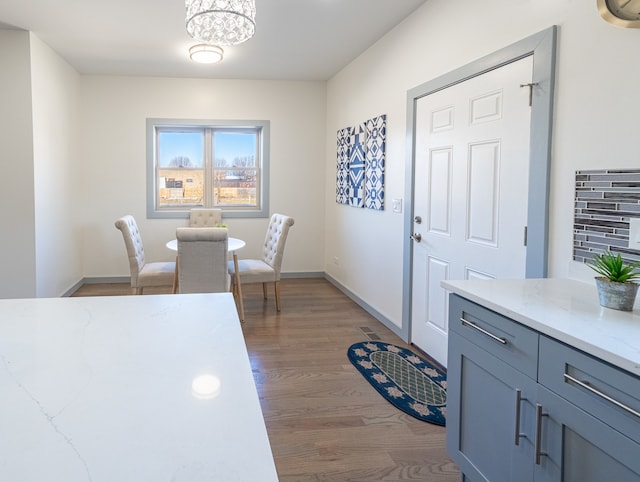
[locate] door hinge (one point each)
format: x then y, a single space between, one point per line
525 236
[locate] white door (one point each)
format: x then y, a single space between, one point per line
470 192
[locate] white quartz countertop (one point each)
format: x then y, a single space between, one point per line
564 309
100 389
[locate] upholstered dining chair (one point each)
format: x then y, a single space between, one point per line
205 217
143 274
267 269
202 260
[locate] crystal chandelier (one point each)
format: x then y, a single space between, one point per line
221 22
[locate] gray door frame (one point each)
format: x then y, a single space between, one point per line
542 46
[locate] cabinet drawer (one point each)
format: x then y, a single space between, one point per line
506 339
608 393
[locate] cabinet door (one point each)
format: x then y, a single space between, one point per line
579 447
484 414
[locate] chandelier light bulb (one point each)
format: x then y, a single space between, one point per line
206 54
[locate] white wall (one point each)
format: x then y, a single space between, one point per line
58 253
17 247
112 151
597 114
40 249
596 119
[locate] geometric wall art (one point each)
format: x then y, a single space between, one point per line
356 166
376 129
342 168
360 164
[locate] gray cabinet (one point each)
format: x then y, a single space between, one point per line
577 446
524 407
482 412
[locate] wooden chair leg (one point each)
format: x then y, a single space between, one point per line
264 290
277 289
237 283
237 297
137 291
234 290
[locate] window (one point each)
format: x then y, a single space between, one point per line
214 164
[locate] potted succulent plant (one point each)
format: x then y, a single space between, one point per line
617 287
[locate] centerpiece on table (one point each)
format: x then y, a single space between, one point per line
617 287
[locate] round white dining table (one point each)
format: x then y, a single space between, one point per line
233 244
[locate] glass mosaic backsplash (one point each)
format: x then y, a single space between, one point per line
605 201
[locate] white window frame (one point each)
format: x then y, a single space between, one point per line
155 124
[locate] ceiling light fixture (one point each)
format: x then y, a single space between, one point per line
221 22
206 54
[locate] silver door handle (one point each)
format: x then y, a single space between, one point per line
538 441
417 237
519 399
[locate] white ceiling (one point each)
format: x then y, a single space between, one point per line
294 40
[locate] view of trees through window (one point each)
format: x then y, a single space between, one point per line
207 166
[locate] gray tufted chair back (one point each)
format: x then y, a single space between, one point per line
133 242
264 270
202 260
274 242
143 274
204 217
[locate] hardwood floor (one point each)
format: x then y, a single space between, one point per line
325 422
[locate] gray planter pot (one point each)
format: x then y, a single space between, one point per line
617 296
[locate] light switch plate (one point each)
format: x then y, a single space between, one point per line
634 233
396 205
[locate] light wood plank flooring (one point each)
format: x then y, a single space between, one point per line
325 422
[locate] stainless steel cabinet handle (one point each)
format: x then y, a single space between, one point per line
588 387
519 400
471 324
538 442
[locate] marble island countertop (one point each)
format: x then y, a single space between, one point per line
564 309
109 389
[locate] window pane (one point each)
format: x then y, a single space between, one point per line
180 149
181 187
234 184
233 187
232 149
180 173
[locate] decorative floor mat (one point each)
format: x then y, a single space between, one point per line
405 379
